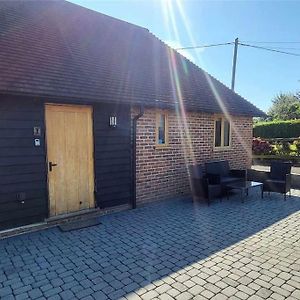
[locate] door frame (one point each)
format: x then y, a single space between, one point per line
47 162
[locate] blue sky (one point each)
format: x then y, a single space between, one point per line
260 74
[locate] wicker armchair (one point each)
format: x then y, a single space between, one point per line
279 179
220 170
202 186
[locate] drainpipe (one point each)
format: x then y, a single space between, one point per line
133 166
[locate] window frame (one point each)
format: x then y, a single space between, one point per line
166 133
223 119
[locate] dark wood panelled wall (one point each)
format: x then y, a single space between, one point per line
23 192
23 172
112 155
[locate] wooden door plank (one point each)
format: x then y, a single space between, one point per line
71 161
91 173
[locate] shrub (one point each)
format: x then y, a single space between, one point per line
296 147
277 129
280 148
260 147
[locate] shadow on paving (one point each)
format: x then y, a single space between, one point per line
134 248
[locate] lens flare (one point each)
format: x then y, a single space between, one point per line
168 8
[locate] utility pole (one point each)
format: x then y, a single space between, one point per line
236 43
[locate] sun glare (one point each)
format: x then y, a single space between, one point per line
170 9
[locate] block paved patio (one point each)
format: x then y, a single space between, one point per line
167 250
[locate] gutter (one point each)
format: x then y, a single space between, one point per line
133 162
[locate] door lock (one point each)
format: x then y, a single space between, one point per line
51 165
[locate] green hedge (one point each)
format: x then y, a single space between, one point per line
277 129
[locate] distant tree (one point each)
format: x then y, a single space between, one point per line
286 106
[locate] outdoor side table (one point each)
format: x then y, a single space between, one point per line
243 187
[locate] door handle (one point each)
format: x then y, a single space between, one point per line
51 165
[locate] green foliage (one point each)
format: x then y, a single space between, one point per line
295 147
283 148
277 129
285 106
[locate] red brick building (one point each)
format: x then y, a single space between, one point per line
102 114
162 169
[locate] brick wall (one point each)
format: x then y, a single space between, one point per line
162 172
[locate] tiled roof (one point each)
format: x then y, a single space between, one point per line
59 49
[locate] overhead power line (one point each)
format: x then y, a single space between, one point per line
205 46
245 44
269 49
282 42
273 49
287 48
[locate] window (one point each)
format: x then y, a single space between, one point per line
222 132
161 129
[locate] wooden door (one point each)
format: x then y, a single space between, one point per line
69 136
